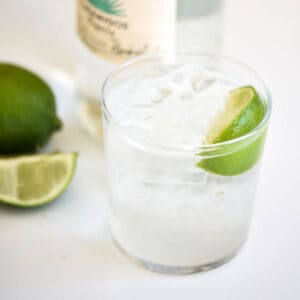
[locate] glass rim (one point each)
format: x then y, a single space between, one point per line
194 149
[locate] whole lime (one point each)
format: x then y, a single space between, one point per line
27 110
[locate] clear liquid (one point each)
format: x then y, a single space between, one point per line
181 217
170 105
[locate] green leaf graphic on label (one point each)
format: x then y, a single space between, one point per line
112 7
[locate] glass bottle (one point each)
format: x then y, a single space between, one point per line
110 32
199 25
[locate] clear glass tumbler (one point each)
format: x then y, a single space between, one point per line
167 213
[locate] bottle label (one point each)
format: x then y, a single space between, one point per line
119 29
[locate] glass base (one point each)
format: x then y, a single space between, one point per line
173 269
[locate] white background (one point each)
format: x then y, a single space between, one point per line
64 251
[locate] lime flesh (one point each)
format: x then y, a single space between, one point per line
34 180
243 112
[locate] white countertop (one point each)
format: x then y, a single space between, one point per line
64 250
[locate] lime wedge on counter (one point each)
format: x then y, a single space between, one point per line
243 112
34 180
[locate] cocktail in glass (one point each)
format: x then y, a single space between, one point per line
179 204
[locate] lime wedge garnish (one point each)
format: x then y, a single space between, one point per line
34 180
243 112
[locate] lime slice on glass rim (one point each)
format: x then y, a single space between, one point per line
243 112
33 180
